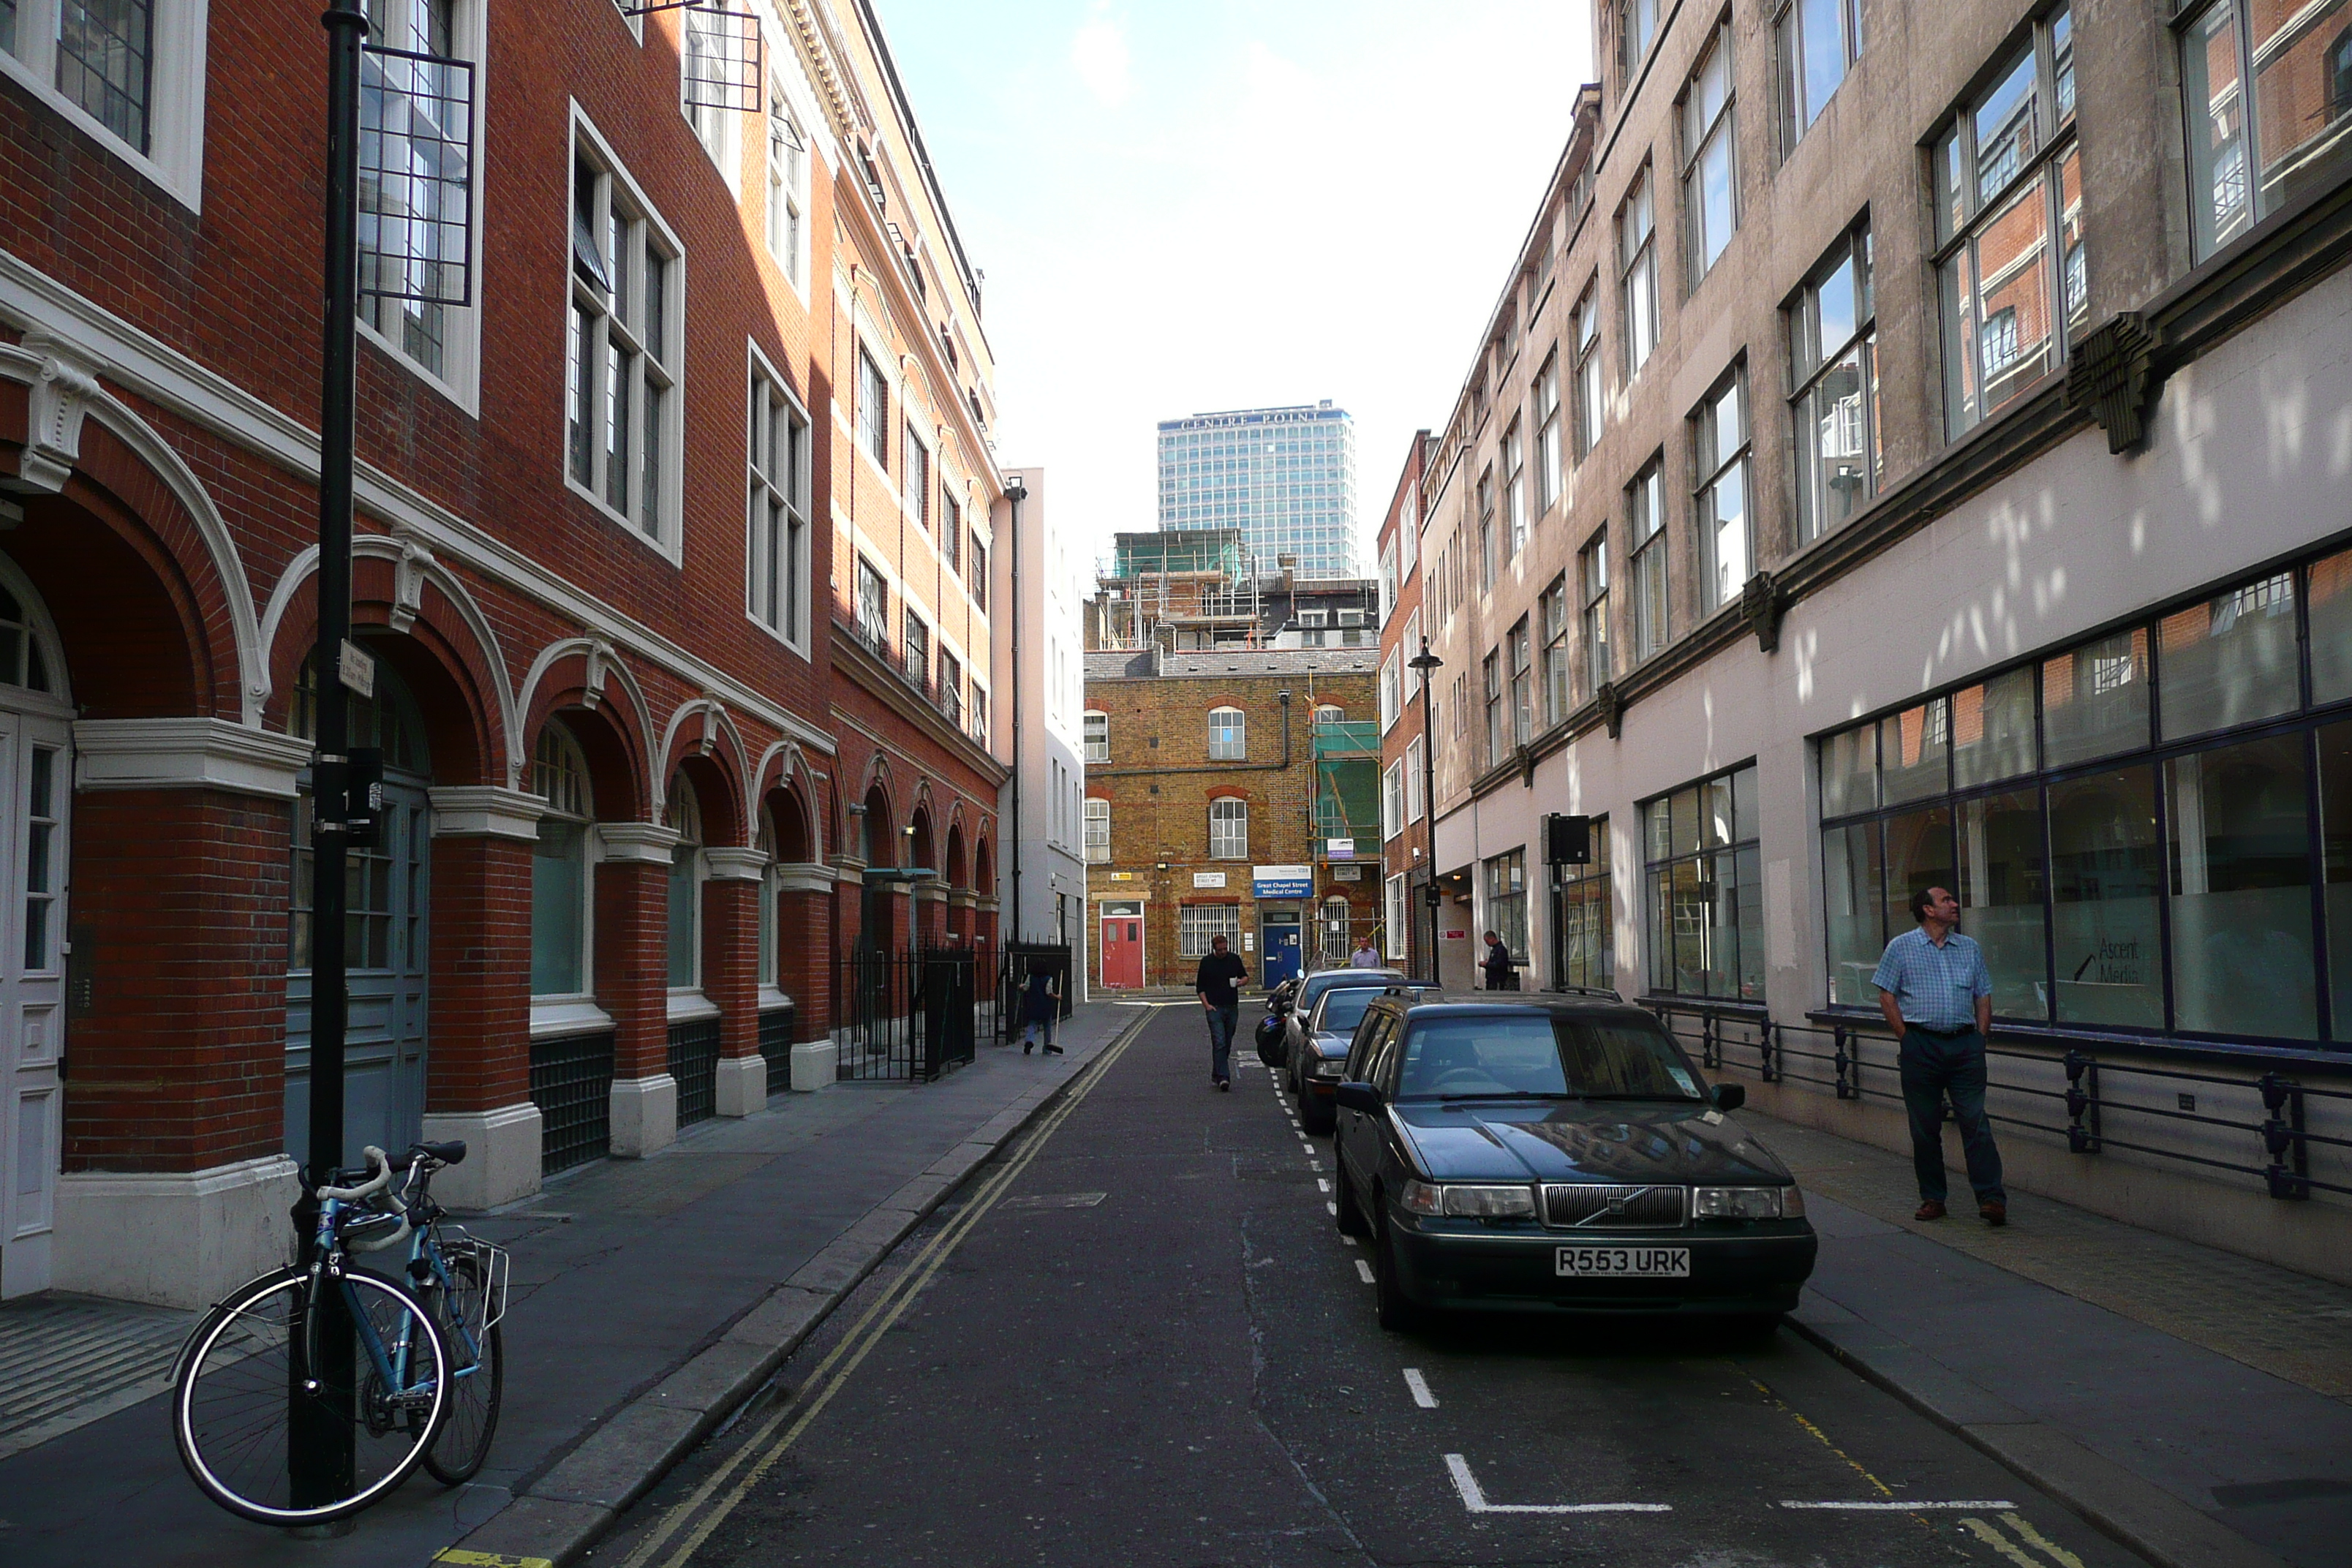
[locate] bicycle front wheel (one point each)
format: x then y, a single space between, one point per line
235 1387
476 1374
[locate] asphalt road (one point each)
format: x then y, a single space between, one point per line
1139 1338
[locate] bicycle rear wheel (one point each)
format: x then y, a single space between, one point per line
476 1374
232 1393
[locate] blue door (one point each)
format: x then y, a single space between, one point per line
1277 940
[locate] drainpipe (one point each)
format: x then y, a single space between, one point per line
1016 491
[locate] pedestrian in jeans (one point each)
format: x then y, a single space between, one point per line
1937 998
1041 1007
1217 985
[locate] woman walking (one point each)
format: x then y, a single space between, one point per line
1041 1004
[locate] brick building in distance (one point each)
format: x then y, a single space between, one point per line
674 542
1405 829
1229 792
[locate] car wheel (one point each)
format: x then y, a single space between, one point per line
1350 1217
1398 1312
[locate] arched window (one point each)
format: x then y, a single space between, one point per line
558 865
1228 735
1229 829
23 661
684 813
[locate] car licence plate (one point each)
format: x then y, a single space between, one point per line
1636 1262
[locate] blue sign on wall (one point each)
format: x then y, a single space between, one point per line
1282 881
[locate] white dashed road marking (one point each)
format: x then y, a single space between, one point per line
1419 1387
1333 1209
1321 1185
1476 1501
1363 1271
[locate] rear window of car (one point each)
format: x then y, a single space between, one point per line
1543 1053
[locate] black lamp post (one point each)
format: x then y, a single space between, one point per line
1428 664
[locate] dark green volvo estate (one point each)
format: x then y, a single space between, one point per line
1548 1152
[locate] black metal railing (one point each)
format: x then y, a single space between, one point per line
2081 1088
910 1015
572 1084
776 1047
1012 970
694 1063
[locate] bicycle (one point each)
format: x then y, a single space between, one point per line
239 1384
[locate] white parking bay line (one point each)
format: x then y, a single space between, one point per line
1321 1185
1363 1271
1419 1387
1333 1209
1970 1504
1476 1501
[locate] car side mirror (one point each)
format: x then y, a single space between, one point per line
1730 1095
1361 1096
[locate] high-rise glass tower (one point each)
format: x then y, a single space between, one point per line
1284 477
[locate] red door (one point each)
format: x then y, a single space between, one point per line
1122 951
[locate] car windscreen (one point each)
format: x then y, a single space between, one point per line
1543 1054
1343 1010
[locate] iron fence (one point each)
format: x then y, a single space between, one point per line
907 1015
572 1084
694 1063
2069 1094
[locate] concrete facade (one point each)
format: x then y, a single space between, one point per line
2174 494
1040 648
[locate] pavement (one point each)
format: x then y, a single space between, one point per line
649 1297
2122 1390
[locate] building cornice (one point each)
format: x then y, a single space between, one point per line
853 660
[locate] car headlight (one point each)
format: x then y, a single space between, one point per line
1327 1066
1746 1202
1463 1200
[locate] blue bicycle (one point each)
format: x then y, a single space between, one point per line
426 1366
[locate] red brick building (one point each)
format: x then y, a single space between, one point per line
1404 835
718 392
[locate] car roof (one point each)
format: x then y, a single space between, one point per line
1471 1004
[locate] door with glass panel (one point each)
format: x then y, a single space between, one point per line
387 940
36 783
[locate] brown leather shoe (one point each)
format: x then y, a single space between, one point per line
1994 1214
1930 1209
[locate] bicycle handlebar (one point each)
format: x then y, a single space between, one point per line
378 1162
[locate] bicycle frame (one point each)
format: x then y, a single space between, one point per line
424 1250
390 1367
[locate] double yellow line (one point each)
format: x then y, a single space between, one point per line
719 1495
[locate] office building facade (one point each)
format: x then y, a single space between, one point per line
1284 477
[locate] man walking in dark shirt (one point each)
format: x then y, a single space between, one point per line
1500 976
1221 973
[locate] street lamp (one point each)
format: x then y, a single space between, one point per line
1428 664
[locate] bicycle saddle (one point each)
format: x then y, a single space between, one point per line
450 1153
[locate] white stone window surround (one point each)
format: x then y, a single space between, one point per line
460 378
790 183
762 369
670 544
175 160
718 131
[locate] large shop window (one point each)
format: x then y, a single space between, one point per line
559 888
1506 899
2149 830
1705 882
1584 920
2009 229
2252 152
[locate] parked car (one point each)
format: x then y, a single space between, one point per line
1302 1004
1323 1058
1542 1152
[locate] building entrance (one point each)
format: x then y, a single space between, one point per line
1278 942
1122 946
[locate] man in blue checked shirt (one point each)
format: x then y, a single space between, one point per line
1937 998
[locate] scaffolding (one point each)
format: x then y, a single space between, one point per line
1197 585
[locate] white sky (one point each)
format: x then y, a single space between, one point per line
1201 205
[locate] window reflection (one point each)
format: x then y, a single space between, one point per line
2104 890
2240 874
2001 893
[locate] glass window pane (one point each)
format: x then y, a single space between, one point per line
2335 833
1662 929
682 935
1850 876
1850 771
1750 869
2231 659
1912 751
2220 196
1824 46
2095 700
2104 882
2328 589
558 897
2302 97
1693 927
1919 856
2012 315
1684 807
1715 812
1993 730
1658 837
1748 807
2001 893
2241 865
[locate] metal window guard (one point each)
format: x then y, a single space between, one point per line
1796 1053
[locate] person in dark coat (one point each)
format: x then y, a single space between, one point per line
1217 985
1500 976
1041 1007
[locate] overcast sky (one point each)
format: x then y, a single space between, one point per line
1192 205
